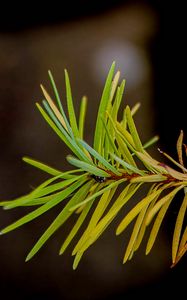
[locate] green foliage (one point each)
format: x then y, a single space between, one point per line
115 159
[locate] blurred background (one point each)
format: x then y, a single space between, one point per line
147 41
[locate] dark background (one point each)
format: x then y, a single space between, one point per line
147 40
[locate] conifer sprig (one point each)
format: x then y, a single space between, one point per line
116 159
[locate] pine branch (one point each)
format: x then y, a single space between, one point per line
115 159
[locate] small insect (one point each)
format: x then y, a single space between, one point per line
99 179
